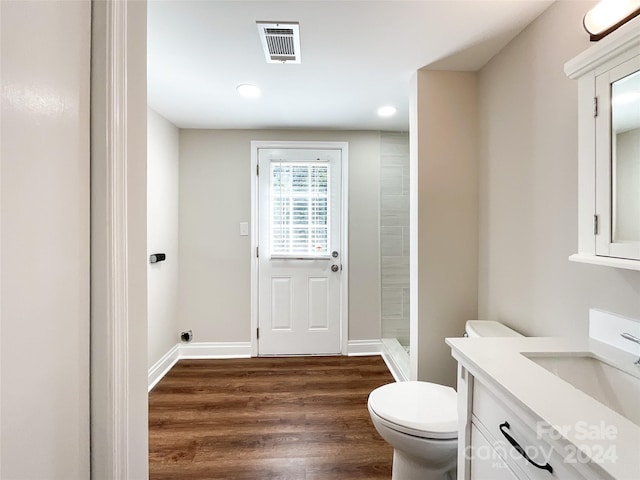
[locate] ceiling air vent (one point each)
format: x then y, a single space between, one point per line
280 41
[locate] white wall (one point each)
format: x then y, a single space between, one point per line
528 187
44 171
444 222
162 234
215 193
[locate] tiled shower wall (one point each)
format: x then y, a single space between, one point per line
394 235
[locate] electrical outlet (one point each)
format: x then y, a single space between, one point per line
186 336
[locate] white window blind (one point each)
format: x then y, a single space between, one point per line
299 209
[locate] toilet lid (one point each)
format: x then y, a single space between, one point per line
429 409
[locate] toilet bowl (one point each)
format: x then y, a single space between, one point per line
420 419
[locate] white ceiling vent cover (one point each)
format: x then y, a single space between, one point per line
280 41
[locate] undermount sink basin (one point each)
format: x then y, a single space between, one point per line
614 388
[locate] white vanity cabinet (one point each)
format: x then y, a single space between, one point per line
499 439
522 415
608 75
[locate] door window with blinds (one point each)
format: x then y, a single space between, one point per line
299 209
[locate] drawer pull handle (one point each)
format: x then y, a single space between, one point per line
505 426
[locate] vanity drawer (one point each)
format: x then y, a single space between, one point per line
486 464
500 422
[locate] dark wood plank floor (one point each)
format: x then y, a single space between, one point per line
299 418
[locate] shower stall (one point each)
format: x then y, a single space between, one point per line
394 247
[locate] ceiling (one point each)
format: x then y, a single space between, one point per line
356 57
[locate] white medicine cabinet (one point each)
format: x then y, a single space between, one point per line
608 77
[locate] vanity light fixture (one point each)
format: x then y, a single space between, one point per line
387 111
608 15
248 90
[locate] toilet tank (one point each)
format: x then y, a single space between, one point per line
488 328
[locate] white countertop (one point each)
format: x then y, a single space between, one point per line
499 363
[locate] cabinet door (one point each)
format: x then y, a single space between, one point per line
486 464
618 161
490 414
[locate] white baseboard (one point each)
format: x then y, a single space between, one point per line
364 347
215 350
162 366
196 350
203 350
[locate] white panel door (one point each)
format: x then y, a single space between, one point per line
299 258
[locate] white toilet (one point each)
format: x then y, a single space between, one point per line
420 419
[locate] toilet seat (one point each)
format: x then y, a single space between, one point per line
420 409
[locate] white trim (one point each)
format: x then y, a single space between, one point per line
200 351
255 226
119 404
344 247
414 246
392 351
117 216
255 205
162 366
625 39
394 368
364 347
605 261
222 350
204 350
109 283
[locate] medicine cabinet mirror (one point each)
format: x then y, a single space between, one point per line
618 161
608 77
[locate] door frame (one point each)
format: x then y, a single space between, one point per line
119 372
344 225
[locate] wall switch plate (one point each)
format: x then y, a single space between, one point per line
244 229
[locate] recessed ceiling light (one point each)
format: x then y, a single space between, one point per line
248 90
387 111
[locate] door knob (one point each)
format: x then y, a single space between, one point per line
335 268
